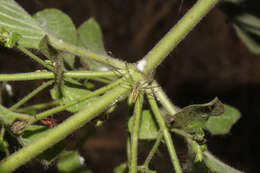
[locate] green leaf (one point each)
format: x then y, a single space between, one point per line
222 124
59 25
216 165
71 92
71 162
121 168
148 127
194 117
90 37
15 19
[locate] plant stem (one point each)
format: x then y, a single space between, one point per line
29 96
135 133
82 52
163 98
76 101
153 150
36 58
38 106
50 75
62 130
4 111
164 129
176 34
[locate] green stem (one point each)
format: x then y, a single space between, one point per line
36 58
62 130
176 34
163 98
135 133
76 101
38 106
29 96
7 112
82 52
50 75
153 151
182 133
128 152
164 129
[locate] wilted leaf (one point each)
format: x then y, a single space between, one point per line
194 117
71 162
222 124
90 37
59 25
148 127
15 19
71 92
216 165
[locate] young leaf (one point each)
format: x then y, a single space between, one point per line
59 25
70 92
222 124
71 162
148 127
216 165
15 19
194 117
90 37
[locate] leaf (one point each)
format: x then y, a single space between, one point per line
148 127
121 168
216 165
222 124
90 37
194 117
59 25
71 162
15 19
71 92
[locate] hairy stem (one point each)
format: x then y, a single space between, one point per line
176 34
61 131
135 133
76 101
82 52
51 75
35 58
164 129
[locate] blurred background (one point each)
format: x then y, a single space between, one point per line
211 61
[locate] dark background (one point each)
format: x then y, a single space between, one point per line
211 61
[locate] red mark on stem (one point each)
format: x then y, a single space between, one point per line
51 122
